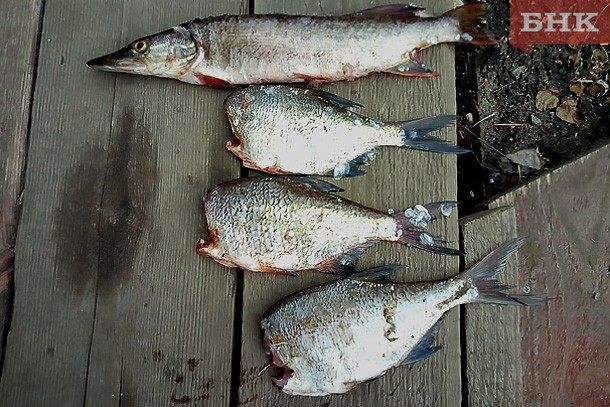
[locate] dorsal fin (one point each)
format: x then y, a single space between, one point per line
394 11
317 184
334 99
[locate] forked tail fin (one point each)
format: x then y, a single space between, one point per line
415 135
490 290
470 18
412 222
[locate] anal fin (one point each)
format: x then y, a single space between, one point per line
413 67
345 264
424 347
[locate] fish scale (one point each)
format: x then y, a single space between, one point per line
249 220
254 49
287 130
329 338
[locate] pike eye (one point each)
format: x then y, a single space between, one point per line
141 46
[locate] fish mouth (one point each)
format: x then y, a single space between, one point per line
280 379
119 61
282 373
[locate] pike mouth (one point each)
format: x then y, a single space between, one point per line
118 61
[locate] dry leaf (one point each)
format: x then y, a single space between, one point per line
528 157
546 100
568 111
578 88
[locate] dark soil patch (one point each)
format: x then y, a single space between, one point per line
496 90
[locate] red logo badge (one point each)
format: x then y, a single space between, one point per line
559 22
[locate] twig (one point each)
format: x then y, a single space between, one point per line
483 119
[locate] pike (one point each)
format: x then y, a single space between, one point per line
252 49
285 224
329 338
287 130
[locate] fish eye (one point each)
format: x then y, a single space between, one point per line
141 46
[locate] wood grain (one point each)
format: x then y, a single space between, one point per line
396 179
566 216
113 306
19 25
56 249
493 358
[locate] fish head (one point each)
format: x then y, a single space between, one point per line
294 375
167 54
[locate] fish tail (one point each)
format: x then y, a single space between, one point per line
411 235
470 18
415 135
489 290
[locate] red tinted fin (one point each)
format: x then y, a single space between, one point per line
394 11
212 81
426 242
274 169
268 268
312 80
414 67
409 234
345 264
470 18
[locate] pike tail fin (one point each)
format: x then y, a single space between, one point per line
470 18
490 290
412 222
415 135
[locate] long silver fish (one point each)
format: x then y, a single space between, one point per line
286 130
329 338
286 224
251 49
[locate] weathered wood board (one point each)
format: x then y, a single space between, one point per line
492 338
396 179
565 347
112 305
19 24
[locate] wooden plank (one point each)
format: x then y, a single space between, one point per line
19 28
397 179
566 216
113 306
56 249
166 150
493 359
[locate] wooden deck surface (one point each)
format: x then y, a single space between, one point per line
111 304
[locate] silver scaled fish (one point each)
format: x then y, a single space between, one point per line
331 337
254 49
286 130
286 224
